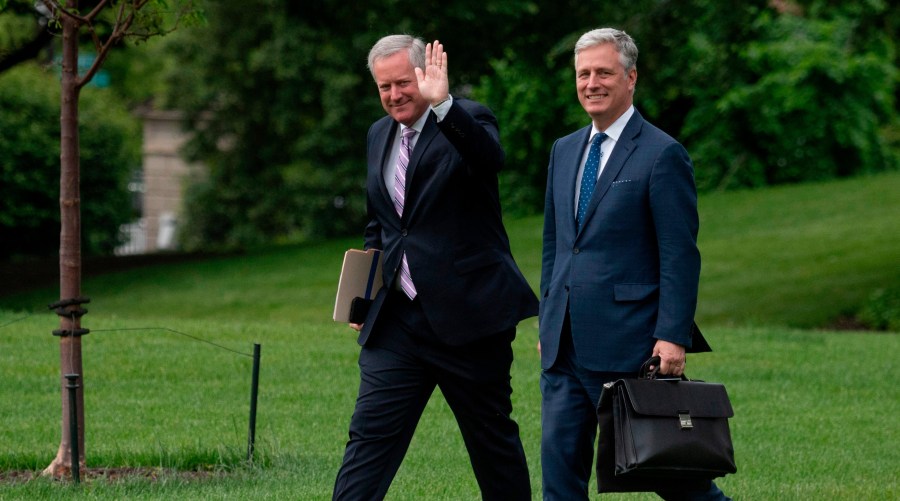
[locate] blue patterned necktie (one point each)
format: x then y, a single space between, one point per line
406 282
589 178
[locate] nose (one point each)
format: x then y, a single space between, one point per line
395 93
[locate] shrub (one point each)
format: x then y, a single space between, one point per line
30 165
882 310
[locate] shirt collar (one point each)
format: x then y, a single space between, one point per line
614 130
418 125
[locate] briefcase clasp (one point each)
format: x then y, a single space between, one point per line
685 419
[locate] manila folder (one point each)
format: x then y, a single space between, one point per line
360 278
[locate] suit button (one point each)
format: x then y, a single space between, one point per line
403 232
576 250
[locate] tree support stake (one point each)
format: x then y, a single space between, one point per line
73 425
254 393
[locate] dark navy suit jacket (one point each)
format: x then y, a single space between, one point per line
630 276
451 230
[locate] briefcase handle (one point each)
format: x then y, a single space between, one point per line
647 373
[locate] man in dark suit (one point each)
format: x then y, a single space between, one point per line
620 264
453 296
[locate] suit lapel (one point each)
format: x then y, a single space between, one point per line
429 132
571 163
382 140
621 152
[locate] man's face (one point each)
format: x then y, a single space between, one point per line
605 90
398 88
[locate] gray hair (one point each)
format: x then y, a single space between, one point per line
392 44
628 51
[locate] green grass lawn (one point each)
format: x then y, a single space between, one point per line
816 410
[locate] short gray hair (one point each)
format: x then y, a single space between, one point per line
628 51
392 44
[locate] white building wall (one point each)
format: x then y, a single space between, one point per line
164 176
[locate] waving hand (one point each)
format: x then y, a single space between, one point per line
434 85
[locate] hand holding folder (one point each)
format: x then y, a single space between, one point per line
359 282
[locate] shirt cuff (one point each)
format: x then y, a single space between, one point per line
443 108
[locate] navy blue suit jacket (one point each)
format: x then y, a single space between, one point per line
630 276
451 230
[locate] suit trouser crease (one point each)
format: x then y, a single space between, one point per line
399 368
569 427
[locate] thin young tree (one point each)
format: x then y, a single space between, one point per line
107 23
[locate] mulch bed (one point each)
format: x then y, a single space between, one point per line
107 474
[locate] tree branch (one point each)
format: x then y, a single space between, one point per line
124 19
55 7
96 11
120 29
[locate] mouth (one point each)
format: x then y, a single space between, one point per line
594 97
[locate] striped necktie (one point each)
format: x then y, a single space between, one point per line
399 198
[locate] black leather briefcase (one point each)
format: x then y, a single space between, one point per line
662 434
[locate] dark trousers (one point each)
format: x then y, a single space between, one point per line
570 394
400 366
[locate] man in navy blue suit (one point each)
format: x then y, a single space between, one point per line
453 296
620 265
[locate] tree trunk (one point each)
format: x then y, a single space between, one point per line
69 247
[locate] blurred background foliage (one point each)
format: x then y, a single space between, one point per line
277 94
29 165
